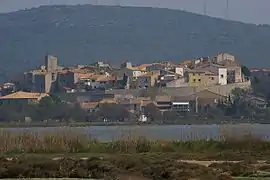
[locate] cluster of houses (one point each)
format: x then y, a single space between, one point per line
99 83
206 71
134 104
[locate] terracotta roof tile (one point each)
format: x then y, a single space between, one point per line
107 101
143 66
146 102
106 78
163 98
88 105
24 95
85 75
136 101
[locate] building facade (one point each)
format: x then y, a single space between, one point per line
51 63
201 78
163 103
43 82
222 76
225 57
68 79
145 81
234 74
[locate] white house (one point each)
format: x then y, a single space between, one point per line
179 70
222 76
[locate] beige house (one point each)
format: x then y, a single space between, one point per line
146 80
21 97
228 70
234 70
202 78
234 74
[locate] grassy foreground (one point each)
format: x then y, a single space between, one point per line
69 153
72 141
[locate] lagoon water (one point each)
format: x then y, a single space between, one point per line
161 132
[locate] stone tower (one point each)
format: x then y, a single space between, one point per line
51 63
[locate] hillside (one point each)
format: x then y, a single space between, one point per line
82 34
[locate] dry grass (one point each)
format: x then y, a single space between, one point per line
72 141
66 140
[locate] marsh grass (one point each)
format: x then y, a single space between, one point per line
45 142
69 140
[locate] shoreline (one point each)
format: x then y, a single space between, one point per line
86 124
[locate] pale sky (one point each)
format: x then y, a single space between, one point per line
252 11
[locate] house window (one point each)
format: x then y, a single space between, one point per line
199 80
182 108
194 80
212 78
193 74
222 76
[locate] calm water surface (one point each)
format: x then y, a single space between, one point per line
161 132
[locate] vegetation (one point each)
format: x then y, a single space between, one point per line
74 154
237 108
51 111
260 86
167 34
119 167
48 108
68 141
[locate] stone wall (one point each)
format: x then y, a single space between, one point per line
224 90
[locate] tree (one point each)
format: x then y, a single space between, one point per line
62 112
113 112
77 113
46 102
260 85
152 112
171 116
45 109
237 93
245 71
56 99
11 112
239 106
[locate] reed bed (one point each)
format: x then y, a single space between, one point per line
69 140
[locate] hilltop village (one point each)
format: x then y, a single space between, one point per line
187 87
